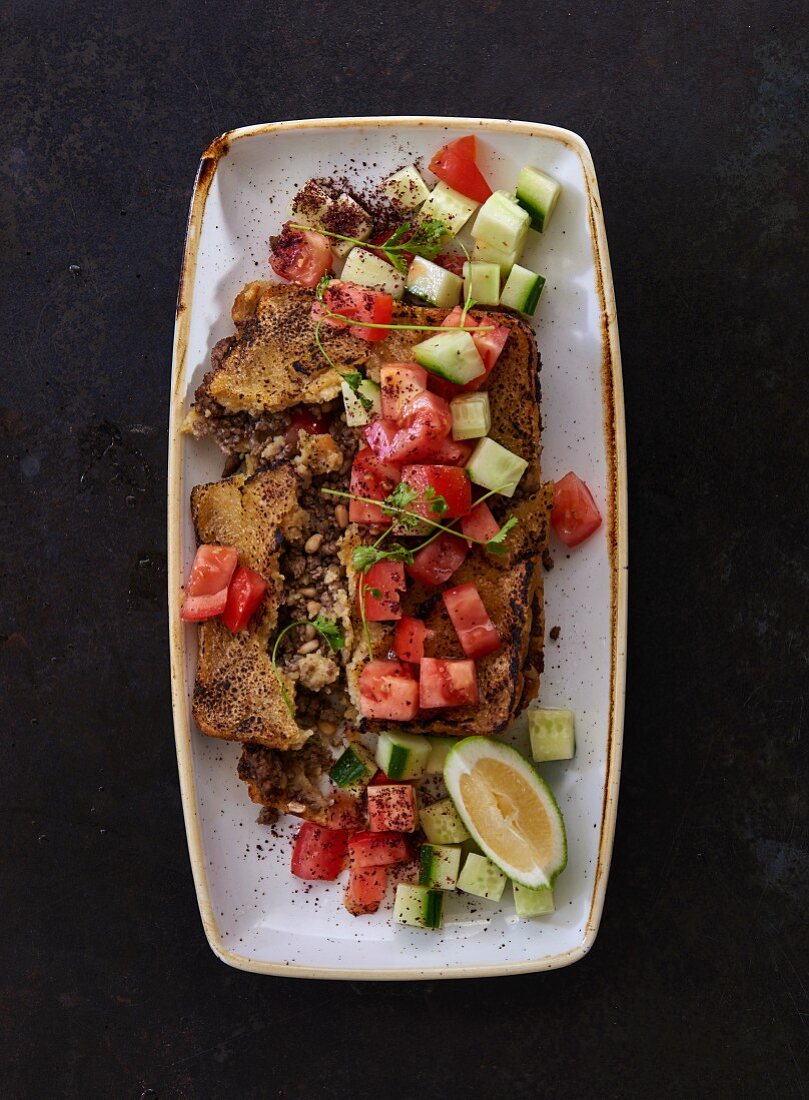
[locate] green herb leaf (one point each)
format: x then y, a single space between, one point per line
427 238
329 629
322 287
495 544
375 592
401 496
437 504
363 557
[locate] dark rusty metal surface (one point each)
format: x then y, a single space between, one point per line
697 984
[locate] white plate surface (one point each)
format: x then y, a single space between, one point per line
256 916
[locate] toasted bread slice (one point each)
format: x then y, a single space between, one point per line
237 695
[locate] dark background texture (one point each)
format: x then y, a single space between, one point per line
696 115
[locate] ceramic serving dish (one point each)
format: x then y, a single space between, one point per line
255 915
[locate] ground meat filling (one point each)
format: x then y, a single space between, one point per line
288 779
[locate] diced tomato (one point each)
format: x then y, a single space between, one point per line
424 424
318 852
388 691
453 319
392 808
436 563
356 303
447 683
480 524
455 165
374 479
475 629
206 591
575 515
489 344
304 421
452 261
382 780
408 641
453 452
387 578
399 382
345 812
377 849
444 492
301 256
245 593
366 889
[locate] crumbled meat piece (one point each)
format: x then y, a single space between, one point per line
554 633
277 778
315 671
319 454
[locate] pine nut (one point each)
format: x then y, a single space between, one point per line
312 544
309 647
341 515
313 608
327 727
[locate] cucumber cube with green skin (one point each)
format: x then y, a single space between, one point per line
487 253
522 290
502 223
439 747
532 903
553 733
356 413
402 755
363 268
406 190
449 206
471 415
481 282
537 193
495 467
356 767
442 824
347 212
439 865
451 355
433 283
418 906
481 878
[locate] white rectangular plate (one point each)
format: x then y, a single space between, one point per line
255 915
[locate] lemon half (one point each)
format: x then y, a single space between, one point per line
509 810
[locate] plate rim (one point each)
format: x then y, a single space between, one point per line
617 545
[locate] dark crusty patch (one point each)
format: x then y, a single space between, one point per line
275 778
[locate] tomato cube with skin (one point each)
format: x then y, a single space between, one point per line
476 631
408 641
447 683
366 889
247 590
319 853
375 480
392 809
436 563
388 691
379 588
377 849
480 524
206 592
442 492
398 383
575 515
455 165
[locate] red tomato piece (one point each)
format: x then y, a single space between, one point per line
382 780
245 593
388 691
392 808
377 849
206 592
447 683
408 641
399 382
475 629
379 586
452 261
489 344
453 452
575 515
480 524
444 492
425 423
455 165
345 812
453 319
304 421
357 303
319 853
301 256
366 889
371 478
436 563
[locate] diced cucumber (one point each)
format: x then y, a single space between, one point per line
356 413
365 269
532 903
451 355
481 878
537 193
495 467
439 865
481 281
433 283
402 755
471 415
354 768
487 253
418 906
439 747
448 206
441 823
522 289
502 223
310 205
355 219
405 189
553 733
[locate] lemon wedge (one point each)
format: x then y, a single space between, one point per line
509 810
